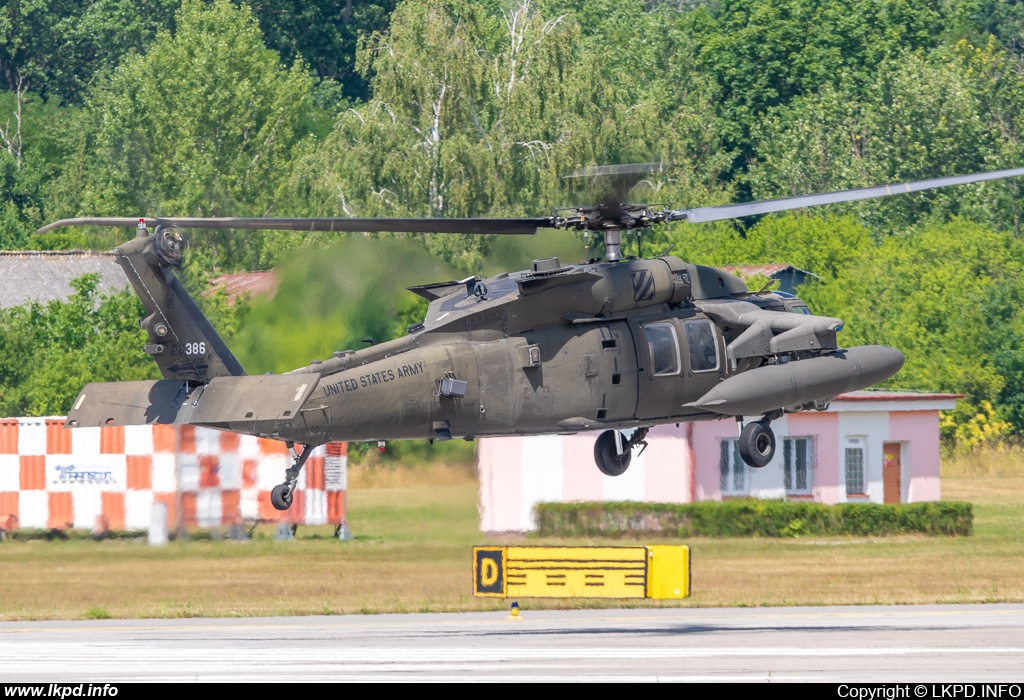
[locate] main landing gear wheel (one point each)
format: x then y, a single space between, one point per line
757 444
613 452
607 453
281 497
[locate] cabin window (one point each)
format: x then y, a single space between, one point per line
797 465
703 346
732 470
664 348
801 309
856 481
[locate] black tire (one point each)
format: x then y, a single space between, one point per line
757 444
605 454
281 497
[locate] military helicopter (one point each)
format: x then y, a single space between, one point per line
615 344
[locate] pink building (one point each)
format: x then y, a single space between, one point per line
879 447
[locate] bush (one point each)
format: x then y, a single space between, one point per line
750 518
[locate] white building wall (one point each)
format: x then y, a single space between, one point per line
874 427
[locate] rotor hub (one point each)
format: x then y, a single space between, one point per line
169 245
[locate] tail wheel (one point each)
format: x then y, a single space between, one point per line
281 497
757 444
607 456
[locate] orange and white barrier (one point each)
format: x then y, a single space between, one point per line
111 477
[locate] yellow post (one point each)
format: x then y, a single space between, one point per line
668 571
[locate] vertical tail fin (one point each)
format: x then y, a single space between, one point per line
181 339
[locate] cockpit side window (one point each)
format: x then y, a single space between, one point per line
664 348
703 346
801 309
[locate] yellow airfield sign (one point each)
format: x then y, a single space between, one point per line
656 571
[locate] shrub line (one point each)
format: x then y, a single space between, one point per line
751 518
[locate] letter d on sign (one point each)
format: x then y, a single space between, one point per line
489 571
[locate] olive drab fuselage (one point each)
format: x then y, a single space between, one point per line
546 351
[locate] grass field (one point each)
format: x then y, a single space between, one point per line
412 553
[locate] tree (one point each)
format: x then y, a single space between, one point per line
950 297
765 53
49 352
206 123
57 46
324 33
951 112
479 112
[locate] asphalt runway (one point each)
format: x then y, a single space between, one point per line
854 644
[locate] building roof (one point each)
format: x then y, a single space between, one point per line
44 276
868 395
242 283
894 401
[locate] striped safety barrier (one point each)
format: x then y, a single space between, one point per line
110 477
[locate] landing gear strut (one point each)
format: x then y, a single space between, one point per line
757 441
281 496
613 452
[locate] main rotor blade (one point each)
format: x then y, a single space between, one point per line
509 227
735 211
626 169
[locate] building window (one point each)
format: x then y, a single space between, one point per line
732 470
797 465
856 481
703 347
664 347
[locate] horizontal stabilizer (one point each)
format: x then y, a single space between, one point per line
246 399
259 398
129 403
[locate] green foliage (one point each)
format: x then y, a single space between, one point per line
205 123
947 296
968 427
925 115
38 535
48 353
412 453
57 46
750 518
324 33
766 53
24 181
479 110
330 299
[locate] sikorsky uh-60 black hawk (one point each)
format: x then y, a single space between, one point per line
613 344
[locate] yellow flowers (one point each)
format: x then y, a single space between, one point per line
968 431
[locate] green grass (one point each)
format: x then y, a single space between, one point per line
411 553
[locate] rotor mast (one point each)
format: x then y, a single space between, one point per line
613 244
